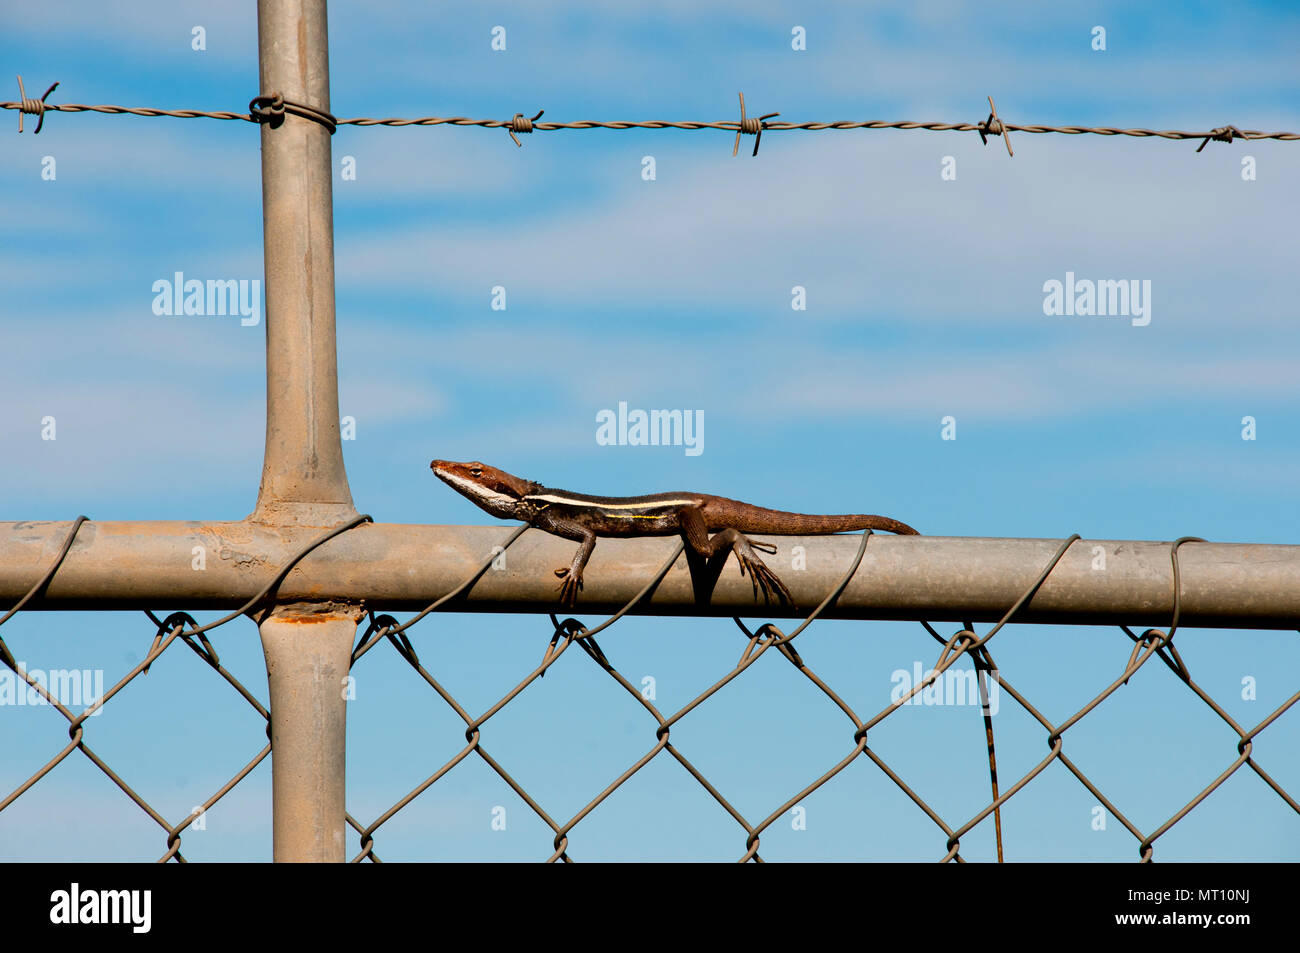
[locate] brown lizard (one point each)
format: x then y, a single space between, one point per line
694 516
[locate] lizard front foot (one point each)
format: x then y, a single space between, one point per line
569 587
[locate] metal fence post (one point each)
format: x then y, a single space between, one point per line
303 480
307 655
304 483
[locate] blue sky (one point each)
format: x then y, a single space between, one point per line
924 300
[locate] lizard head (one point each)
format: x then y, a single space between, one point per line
494 490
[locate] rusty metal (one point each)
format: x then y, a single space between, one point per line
308 654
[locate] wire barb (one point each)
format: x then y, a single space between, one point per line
750 126
32 107
993 126
522 124
1222 134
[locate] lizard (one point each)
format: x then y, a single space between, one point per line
583 519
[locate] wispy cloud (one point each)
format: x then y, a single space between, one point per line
820 213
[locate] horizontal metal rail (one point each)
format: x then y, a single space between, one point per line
397 567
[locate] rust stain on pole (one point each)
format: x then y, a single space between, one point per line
307 659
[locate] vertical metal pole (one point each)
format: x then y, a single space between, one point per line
307 658
303 480
307 647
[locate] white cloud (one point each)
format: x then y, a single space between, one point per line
827 379
861 219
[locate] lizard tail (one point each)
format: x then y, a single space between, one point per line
781 523
887 524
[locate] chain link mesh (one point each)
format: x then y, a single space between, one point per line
566 633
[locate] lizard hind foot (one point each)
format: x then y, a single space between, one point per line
569 587
761 577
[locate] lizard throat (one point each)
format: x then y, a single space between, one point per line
491 500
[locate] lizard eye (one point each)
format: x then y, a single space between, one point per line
476 471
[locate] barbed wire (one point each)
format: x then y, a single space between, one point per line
966 642
271 108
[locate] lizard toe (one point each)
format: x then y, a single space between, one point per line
569 588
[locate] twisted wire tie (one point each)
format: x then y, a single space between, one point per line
270 109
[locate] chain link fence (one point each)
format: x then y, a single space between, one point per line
559 635
295 77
